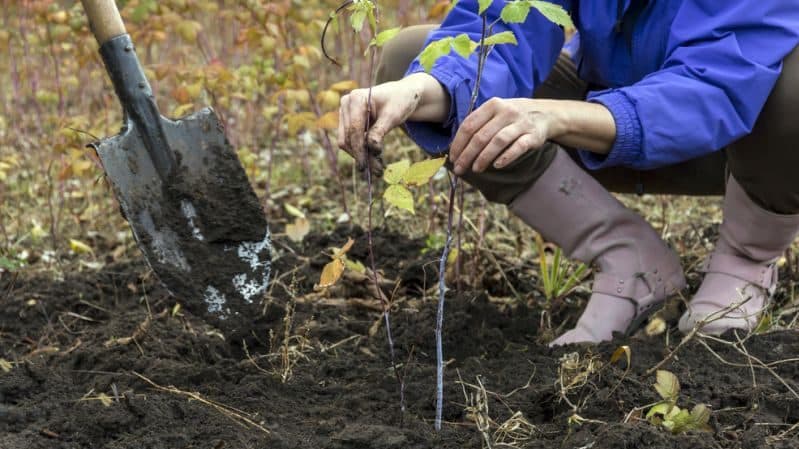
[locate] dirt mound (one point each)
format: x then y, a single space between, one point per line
105 360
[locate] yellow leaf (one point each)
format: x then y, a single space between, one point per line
667 386
298 230
331 273
79 247
421 172
293 211
344 249
655 327
452 257
328 99
328 121
355 266
399 196
181 110
5 365
105 400
394 172
299 121
344 86
621 350
188 29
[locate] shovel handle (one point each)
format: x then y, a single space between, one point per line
104 19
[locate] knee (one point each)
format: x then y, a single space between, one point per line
398 53
778 118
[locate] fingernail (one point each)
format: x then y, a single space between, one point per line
458 170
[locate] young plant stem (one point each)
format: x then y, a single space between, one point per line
370 243
442 291
442 263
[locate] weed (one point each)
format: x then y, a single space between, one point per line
667 414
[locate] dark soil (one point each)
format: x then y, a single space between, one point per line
70 344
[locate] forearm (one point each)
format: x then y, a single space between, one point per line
434 101
583 125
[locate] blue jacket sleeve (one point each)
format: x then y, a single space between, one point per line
722 61
510 71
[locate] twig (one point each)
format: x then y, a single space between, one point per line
696 330
373 266
235 415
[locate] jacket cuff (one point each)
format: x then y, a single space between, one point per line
435 138
628 147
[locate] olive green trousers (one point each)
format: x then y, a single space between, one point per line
765 162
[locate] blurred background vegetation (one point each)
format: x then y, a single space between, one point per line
259 64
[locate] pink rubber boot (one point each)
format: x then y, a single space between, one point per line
637 271
741 273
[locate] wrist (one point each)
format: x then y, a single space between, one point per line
433 99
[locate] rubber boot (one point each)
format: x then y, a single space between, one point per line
637 271
741 273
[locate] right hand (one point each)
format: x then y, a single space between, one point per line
393 103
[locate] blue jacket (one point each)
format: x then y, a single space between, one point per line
693 80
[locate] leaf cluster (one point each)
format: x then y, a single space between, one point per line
667 414
401 175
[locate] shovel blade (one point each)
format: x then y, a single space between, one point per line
203 231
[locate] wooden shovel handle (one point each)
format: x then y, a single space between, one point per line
104 19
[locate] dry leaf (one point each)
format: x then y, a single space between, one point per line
331 273
328 121
655 327
344 86
298 230
344 249
105 400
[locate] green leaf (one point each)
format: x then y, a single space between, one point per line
515 12
464 46
553 12
661 408
361 9
8 264
667 386
384 36
433 52
680 421
394 172
505 37
484 4
421 172
400 197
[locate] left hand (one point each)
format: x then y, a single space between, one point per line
502 130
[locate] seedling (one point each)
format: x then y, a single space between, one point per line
667 414
559 276
401 175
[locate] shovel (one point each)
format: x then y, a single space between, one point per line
183 191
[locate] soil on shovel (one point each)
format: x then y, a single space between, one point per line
105 360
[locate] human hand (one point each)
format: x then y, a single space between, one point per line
502 130
418 97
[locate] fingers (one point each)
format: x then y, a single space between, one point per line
470 126
498 145
525 143
355 129
385 122
480 142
